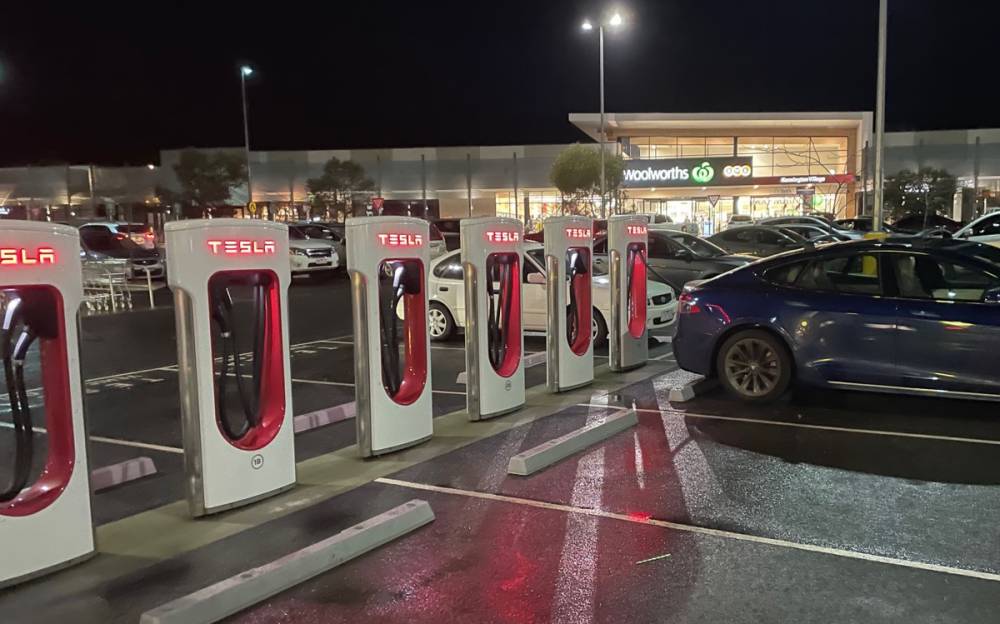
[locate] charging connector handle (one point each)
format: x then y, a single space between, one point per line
13 355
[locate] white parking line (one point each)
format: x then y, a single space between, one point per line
132 443
687 528
778 423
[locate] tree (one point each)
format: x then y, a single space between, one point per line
207 179
576 172
337 185
927 191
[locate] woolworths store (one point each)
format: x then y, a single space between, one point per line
705 168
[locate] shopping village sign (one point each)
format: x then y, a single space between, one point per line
670 172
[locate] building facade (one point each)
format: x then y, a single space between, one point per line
699 168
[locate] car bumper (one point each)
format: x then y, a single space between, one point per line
659 317
138 271
693 348
307 264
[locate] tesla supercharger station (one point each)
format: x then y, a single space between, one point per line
627 245
230 280
494 342
387 259
569 243
45 517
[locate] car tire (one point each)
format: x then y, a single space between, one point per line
754 366
598 329
440 322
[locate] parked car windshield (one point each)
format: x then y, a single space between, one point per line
103 240
538 255
699 246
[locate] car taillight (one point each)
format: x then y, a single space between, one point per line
687 304
120 236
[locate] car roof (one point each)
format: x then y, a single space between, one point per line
954 247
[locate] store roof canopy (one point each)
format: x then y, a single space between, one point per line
627 123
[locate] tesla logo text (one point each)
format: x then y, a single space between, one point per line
635 230
11 256
503 236
242 247
401 240
578 232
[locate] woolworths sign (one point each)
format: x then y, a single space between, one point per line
670 172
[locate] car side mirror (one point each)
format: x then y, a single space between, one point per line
992 296
536 278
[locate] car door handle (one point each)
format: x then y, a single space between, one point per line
442 289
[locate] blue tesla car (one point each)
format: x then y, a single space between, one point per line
914 316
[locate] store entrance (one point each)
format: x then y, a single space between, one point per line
699 213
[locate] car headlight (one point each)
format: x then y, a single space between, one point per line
295 251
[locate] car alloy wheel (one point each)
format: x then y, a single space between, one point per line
438 322
752 367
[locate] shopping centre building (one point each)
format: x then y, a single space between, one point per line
699 168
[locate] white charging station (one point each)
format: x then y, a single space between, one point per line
492 258
230 281
569 244
45 519
628 242
388 261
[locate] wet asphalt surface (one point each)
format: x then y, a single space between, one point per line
131 390
823 507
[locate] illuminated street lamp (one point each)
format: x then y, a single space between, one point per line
245 72
615 21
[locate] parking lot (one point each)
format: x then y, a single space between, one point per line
824 506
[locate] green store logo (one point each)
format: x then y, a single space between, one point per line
703 173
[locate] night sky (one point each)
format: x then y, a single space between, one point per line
113 83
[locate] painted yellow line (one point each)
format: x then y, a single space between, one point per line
688 528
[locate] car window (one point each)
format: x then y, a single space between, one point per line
295 233
101 239
698 245
787 274
601 246
742 235
920 276
315 231
857 274
989 225
770 237
435 233
133 228
661 247
538 255
450 267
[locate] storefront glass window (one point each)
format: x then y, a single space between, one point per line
719 146
541 205
691 147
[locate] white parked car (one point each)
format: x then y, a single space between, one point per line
985 229
323 232
447 297
310 255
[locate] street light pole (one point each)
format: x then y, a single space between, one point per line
883 14
604 134
245 71
615 21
